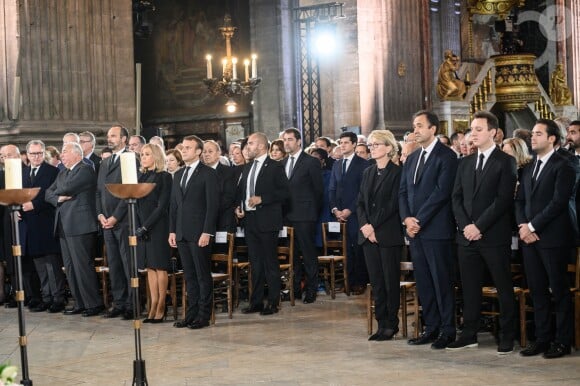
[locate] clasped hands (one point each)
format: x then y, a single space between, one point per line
526 234
342 215
369 233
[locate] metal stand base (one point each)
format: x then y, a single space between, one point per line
139 375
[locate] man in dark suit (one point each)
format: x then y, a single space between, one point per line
38 219
112 216
192 222
573 140
88 142
483 198
425 208
73 196
546 229
343 189
263 189
306 189
226 220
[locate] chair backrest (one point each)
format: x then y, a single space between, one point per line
285 248
574 269
406 270
223 255
334 246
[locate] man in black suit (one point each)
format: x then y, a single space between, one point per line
38 220
306 189
573 141
345 180
226 220
88 142
483 198
112 216
193 213
546 229
73 196
425 208
262 190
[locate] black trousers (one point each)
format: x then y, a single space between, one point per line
52 279
472 262
197 274
119 260
384 265
305 245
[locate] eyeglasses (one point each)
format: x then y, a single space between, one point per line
35 154
88 141
374 145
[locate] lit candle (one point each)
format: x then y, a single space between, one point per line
254 68
247 68
234 69
13 173
128 168
224 64
209 74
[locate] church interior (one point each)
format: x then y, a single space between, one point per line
223 69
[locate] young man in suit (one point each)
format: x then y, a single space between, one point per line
306 188
73 196
38 220
262 191
483 198
345 181
193 212
425 207
547 232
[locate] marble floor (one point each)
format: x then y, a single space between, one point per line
324 343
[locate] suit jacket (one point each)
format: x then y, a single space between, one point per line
489 205
96 161
380 206
107 204
546 203
194 211
227 188
306 188
272 186
430 199
77 215
39 222
343 190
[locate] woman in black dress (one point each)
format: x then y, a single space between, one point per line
381 233
153 220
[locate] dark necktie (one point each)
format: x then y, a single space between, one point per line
291 167
421 165
184 178
33 174
113 159
479 170
253 179
344 162
536 171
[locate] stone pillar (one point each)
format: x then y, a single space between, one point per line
9 78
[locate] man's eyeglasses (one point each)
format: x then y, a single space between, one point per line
35 154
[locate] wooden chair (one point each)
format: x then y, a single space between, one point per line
519 294
241 267
575 269
102 270
334 261
222 272
173 276
409 302
286 259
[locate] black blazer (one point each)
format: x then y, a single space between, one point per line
195 210
96 161
547 203
272 186
306 188
77 215
381 207
227 186
489 205
343 190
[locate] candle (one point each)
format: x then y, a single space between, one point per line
208 59
254 68
247 69
13 173
224 64
128 168
234 69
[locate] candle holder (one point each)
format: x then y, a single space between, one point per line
13 199
130 193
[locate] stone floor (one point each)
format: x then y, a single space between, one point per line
324 343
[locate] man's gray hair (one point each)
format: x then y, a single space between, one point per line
77 139
90 135
75 147
35 142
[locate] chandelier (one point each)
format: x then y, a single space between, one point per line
229 84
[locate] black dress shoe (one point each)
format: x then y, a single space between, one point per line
443 341
309 298
11 303
33 303
557 350
269 310
113 313
41 307
94 311
127 315
56 307
424 338
182 323
197 324
253 309
535 348
73 311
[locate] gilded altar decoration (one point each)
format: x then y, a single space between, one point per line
449 86
559 91
516 83
500 8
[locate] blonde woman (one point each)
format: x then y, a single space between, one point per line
153 221
518 149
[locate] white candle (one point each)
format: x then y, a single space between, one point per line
13 173
254 68
209 74
234 68
224 64
247 68
128 168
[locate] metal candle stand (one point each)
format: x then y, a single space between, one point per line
13 199
130 193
